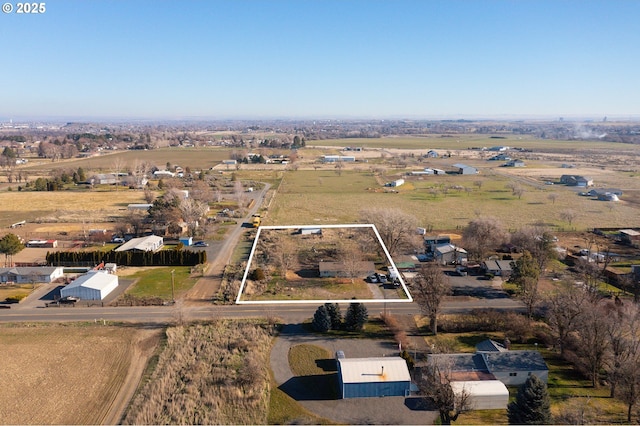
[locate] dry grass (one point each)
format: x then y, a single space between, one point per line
216 373
63 374
65 206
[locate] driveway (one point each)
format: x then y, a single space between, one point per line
384 410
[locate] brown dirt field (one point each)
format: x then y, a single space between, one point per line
70 374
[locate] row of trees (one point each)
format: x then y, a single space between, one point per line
128 258
328 317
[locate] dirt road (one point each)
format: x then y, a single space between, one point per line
208 286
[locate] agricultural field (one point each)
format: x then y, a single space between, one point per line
71 373
442 202
65 206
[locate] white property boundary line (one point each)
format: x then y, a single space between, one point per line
409 299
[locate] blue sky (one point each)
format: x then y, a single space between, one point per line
171 59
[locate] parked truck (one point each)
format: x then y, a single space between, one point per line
256 220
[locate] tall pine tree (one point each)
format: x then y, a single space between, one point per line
532 404
321 319
356 316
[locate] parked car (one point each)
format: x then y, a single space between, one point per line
200 244
461 270
382 278
372 278
117 240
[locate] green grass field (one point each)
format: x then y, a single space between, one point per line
156 282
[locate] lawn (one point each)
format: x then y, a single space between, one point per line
156 282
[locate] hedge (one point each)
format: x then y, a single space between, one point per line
127 258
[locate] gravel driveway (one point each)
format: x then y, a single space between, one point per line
384 410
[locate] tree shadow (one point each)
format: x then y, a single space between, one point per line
419 403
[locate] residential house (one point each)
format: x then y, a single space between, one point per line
431 242
499 268
449 254
510 367
514 163
31 274
576 180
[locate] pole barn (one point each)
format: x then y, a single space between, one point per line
373 377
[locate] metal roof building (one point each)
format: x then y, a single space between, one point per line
150 243
483 394
95 285
369 377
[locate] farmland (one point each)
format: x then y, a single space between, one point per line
70 374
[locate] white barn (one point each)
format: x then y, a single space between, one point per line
95 285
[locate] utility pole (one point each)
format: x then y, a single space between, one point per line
173 298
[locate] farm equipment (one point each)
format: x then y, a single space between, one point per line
256 220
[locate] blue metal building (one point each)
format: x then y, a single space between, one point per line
373 377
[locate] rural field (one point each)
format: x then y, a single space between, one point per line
71 373
307 197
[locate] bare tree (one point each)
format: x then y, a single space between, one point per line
593 345
395 227
537 240
434 382
568 216
552 197
478 184
428 288
483 234
564 309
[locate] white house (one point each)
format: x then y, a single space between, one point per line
94 285
31 274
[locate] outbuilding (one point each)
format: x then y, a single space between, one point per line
94 285
483 394
373 377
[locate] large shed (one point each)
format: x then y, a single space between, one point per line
373 377
483 394
94 285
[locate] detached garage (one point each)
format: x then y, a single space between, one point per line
483 394
95 285
369 377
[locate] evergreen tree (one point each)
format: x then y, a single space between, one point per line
321 320
531 406
356 316
333 309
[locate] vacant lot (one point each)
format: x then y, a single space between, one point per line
69 374
69 206
213 373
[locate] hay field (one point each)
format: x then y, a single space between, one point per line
195 158
65 206
68 374
324 197
463 142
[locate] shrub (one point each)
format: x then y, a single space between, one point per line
258 274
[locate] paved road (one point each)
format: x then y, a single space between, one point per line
289 313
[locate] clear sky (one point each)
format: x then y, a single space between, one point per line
321 59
